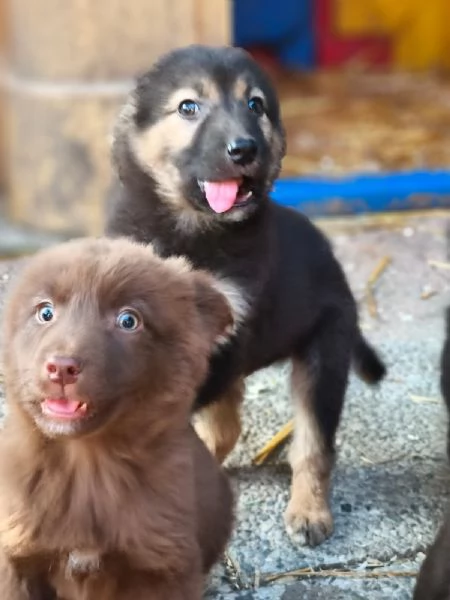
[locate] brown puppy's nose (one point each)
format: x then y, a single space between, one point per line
62 369
242 151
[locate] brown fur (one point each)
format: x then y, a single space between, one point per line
126 503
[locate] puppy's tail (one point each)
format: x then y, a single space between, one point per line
367 364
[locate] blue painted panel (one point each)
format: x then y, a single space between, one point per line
319 196
285 25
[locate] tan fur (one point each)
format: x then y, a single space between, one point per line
218 425
153 148
240 89
267 129
128 504
209 90
278 150
311 466
308 508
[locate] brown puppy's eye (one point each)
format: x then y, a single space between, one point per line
256 105
45 312
128 320
188 109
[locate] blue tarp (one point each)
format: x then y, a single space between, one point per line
318 196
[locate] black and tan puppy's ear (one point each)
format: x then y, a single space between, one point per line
215 311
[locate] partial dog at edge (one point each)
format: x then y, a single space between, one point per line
197 149
106 492
433 582
445 372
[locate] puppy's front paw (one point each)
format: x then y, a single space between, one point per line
308 526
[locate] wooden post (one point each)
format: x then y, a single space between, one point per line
71 65
2 99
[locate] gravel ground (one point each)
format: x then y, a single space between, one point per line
391 480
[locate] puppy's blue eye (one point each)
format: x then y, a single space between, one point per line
256 105
45 312
188 109
128 320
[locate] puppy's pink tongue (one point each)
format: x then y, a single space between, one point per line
61 407
221 195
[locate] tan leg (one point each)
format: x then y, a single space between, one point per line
308 518
219 424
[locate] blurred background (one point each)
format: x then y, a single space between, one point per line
364 89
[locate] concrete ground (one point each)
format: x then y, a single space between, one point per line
391 481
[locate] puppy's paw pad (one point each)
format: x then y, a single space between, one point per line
308 528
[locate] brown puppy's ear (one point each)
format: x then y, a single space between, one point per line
213 307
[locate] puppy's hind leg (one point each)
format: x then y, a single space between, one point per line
319 381
218 425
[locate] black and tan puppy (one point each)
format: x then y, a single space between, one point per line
197 149
106 492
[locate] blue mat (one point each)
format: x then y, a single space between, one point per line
320 196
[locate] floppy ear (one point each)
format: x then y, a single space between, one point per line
214 309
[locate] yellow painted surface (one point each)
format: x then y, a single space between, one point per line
420 32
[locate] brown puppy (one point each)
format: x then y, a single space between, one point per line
106 493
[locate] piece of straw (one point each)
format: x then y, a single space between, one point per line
373 279
273 443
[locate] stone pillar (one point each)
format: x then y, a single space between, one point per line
2 98
71 64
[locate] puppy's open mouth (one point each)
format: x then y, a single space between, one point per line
225 195
63 408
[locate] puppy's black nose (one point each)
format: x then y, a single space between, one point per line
62 369
242 151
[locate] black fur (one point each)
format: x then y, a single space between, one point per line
445 372
433 582
301 305
297 288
